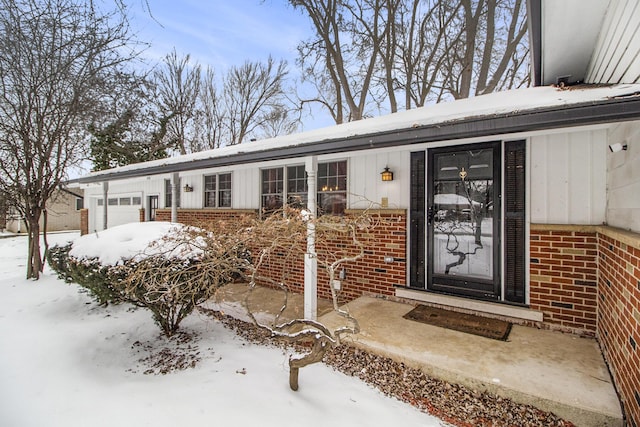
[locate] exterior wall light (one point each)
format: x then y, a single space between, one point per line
617 147
188 188
386 174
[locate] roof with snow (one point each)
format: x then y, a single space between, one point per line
497 113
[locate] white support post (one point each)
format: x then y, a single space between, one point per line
105 195
175 182
310 259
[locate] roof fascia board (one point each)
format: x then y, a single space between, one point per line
613 110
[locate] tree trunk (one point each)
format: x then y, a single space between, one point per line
34 260
44 238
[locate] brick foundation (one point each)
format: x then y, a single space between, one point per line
619 314
564 276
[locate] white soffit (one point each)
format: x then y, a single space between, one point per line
570 30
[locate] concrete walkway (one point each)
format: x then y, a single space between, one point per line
555 372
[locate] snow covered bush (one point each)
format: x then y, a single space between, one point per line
96 278
166 268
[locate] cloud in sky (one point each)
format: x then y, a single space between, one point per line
221 33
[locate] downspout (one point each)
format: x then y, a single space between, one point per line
310 259
175 182
105 194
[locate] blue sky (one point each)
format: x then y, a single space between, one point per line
220 33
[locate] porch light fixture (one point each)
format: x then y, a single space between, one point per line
188 188
617 147
386 174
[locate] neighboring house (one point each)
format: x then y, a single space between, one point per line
538 188
63 213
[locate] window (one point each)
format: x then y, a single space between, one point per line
210 191
332 187
125 201
113 202
136 200
100 202
217 191
80 203
224 190
297 187
167 193
272 189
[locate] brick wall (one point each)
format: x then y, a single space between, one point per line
200 217
619 314
141 215
369 274
84 221
564 276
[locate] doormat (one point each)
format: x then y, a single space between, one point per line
462 322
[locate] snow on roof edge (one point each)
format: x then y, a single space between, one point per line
497 103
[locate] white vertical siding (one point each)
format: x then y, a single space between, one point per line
616 57
623 178
365 185
568 178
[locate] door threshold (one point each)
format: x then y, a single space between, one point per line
469 304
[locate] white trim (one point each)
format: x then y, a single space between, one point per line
469 304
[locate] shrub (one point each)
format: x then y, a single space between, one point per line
170 277
172 287
98 279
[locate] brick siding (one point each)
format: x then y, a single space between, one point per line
564 277
84 221
587 280
369 274
200 217
619 315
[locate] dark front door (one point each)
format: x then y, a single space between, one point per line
153 207
463 220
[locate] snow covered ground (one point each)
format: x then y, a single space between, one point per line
66 362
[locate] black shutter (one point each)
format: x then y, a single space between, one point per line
515 191
417 226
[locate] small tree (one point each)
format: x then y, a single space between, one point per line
280 241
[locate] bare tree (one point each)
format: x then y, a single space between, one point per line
368 54
422 27
247 101
252 93
344 51
488 52
56 58
211 118
178 85
278 243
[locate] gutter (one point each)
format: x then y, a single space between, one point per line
64 190
590 113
